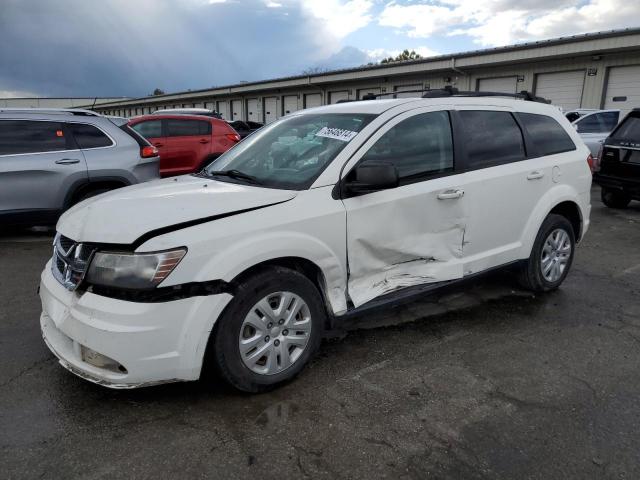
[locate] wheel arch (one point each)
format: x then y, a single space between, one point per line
82 188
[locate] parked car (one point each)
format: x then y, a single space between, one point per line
321 215
617 168
186 142
594 126
245 129
573 115
51 159
205 112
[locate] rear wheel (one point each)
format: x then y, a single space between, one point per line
269 331
615 198
551 256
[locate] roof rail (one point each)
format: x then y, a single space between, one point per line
54 111
449 91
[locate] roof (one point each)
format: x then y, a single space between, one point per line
314 78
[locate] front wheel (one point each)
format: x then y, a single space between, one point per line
269 331
551 256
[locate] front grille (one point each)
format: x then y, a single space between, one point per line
70 261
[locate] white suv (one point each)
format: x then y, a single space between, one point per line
326 212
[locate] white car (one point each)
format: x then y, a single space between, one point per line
326 212
593 126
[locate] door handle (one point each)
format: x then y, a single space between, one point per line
535 175
450 194
158 144
203 141
67 161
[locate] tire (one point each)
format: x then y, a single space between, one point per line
263 363
614 198
533 276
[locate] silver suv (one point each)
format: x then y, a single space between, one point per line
52 159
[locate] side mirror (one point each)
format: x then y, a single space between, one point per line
373 177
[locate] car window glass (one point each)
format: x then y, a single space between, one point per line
547 134
609 120
293 151
591 124
183 128
88 136
419 145
573 116
493 138
24 136
629 129
150 129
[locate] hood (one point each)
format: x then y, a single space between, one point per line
127 214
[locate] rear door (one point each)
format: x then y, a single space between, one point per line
412 234
188 145
39 165
96 147
505 180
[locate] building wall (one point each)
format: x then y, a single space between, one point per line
593 56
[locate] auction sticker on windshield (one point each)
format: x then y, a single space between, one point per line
336 133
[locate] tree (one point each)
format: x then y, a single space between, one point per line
158 91
403 57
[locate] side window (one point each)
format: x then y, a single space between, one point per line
88 136
493 138
546 134
150 129
419 145
183 128
609 120
25 136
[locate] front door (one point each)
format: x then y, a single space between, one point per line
39 166
412 234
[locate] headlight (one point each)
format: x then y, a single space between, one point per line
133 270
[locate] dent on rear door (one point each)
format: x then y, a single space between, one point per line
404 237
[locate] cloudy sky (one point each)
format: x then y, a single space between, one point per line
130 47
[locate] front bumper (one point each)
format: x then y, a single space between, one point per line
152 342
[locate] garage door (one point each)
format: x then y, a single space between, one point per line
236 110
408 89
623 89
312 100
253 111
223 109
270 109
364 91
335 97
289 104
564 89
498 84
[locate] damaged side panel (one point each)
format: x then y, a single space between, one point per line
404 237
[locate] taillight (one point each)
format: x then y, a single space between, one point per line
234 137
591 163
148 151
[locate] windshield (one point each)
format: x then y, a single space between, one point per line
290 153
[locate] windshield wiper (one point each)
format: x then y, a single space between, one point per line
236 174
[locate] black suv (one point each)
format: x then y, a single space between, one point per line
617 169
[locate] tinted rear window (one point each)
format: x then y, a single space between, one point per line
547 134
183 128
88 136
629 129
493 138
25 136
150 129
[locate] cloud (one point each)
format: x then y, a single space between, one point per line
501 22
340 18
123 47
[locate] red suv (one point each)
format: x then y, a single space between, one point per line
186 143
